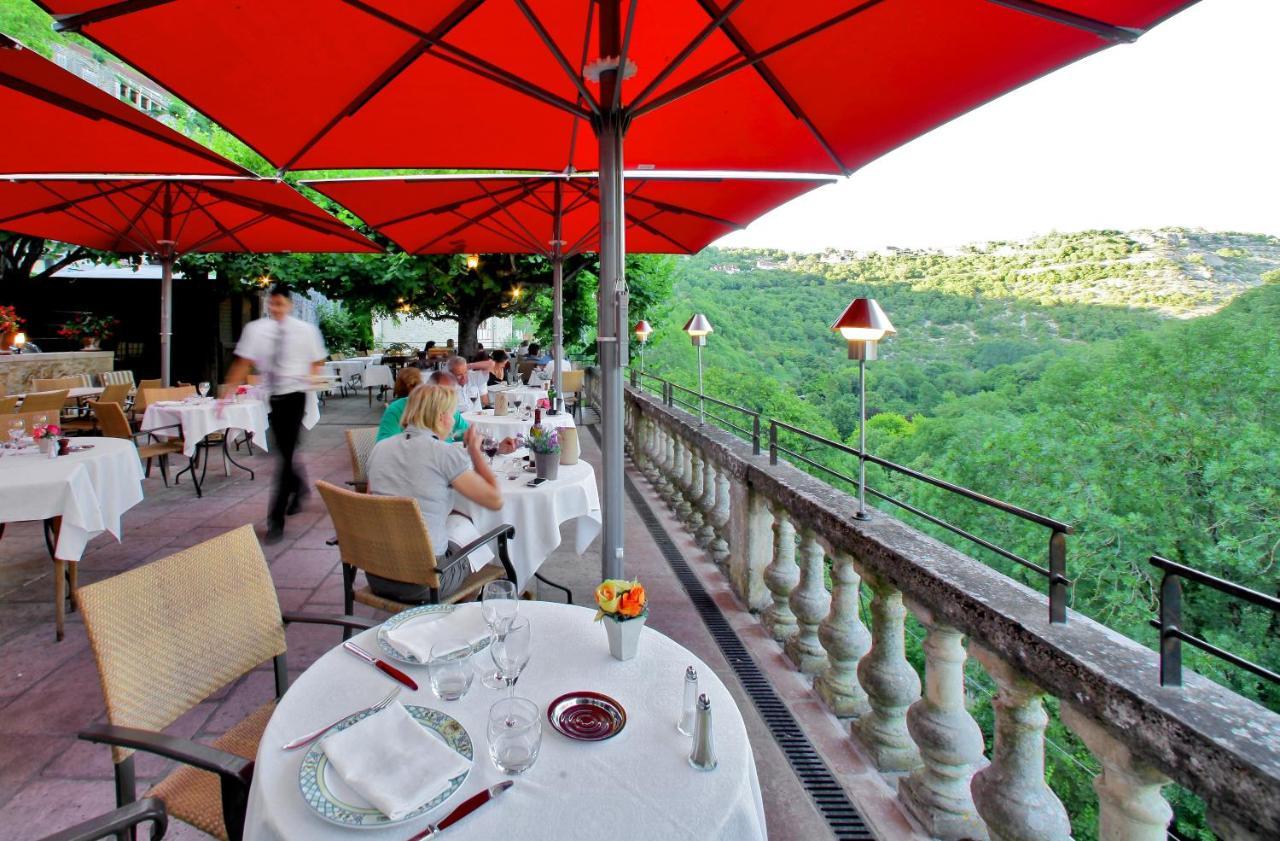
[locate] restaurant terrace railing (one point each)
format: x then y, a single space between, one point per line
775 531
1054 570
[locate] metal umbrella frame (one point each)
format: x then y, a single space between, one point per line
747 85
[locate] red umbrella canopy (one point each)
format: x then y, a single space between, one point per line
64 125
154 215
667 213
818 86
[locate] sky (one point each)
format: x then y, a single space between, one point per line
1181 128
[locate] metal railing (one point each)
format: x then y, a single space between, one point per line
1170 623
1054 571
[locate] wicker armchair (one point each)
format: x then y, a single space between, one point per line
115 393
385 535
360 443
45 401
8 405
571 384
140 396
111 418
56 383
122 822
166 636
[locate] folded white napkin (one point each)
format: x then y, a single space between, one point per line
417 635
391 761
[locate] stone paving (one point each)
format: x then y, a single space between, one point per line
48 690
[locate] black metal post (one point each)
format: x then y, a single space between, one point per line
773 442
1058 581
755 435
1170 625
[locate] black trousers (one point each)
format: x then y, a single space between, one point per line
286 429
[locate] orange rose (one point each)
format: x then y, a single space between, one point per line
632 602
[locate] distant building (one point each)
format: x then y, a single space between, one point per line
726 268
495 332
114 78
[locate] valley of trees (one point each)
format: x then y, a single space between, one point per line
1076 376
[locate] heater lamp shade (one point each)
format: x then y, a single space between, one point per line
698 326
863 321
643 331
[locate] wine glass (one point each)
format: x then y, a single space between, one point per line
489 445
499 604
203 388
16 429
510 650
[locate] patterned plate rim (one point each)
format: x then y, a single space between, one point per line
413 613
342 814
600 696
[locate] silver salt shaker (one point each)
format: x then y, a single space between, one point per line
703 756
687 712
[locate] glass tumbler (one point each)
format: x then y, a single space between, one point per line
515 735
450 669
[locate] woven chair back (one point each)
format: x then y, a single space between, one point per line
384 535
115 393
525 370
8 405
140 397
111 419
168 634
156 395
571 381
116 378
55 383
360 443
45 401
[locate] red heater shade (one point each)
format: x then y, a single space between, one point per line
667 213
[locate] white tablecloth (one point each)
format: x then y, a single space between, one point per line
377 375
537 514
89 489
204 418
344 369
636 786
510 424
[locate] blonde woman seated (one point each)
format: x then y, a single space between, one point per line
419 463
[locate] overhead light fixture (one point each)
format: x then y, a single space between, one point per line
473 262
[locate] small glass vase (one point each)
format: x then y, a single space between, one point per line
624 635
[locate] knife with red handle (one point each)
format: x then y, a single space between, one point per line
464 808
382 665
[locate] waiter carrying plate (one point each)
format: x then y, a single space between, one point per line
289 354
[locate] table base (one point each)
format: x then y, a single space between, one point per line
207 445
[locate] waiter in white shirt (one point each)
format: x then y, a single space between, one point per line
289 354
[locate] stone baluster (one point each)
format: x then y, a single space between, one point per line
1130 805
810 603
649 437
751 542
949 740
720 514
667 473
889 681
1010 793
781 577
678 474
846 640
707 503
693 492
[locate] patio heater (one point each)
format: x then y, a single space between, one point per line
698 327
643 331
863 324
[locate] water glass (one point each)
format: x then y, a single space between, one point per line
450 669
515 735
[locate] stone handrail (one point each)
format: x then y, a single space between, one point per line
770 527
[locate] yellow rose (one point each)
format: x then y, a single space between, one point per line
607 597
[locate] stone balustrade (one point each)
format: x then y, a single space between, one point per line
772 528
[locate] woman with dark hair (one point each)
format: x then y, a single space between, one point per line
498 373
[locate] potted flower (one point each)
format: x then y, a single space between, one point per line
622 606
545 444
90 329
10 324
46 436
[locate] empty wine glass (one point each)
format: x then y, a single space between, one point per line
515 734
499 604
203 388
510 649
16 429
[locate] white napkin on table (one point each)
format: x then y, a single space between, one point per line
391 761
417 635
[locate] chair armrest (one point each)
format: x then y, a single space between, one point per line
156 429
172 747
501 534
355 623
126 817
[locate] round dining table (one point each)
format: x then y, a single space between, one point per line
513 423
637 785
537 513
201 417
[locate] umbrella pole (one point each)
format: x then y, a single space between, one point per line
166 315
611 338
557 317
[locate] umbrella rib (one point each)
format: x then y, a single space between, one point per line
131 222
72 208
683 56
223 231
622 56
713 75
74 23
84 109
479 217
641 223
323 225
192 205
558 55
501 229
582 64
506 210
1106 31
473 63
62 204
443 208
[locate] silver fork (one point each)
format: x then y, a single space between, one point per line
316 734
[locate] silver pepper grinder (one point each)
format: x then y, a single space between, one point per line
687 713
703 756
